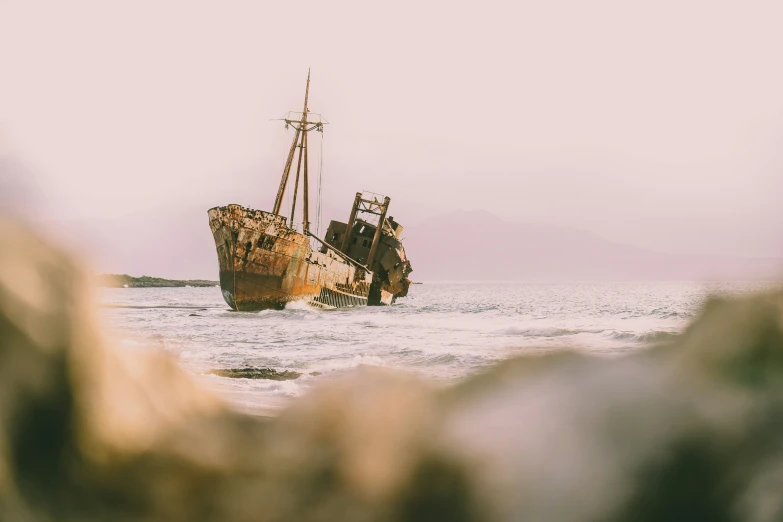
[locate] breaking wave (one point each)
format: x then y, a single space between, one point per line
538 332
299 305
653 336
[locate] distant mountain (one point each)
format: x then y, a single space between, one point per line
477 245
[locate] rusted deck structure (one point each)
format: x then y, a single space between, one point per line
265 262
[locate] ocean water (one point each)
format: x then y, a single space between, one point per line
441 331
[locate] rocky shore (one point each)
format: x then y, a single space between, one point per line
126 281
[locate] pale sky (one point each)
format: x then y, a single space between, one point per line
658 124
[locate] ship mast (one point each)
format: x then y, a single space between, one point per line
301 126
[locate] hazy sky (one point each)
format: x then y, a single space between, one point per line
654 123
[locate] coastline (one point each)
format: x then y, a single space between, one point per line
127 281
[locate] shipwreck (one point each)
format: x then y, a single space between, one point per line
268 260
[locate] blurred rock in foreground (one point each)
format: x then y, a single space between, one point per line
686 431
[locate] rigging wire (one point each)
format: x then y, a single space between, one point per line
320 183
288 202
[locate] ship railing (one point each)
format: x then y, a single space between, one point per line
375 195
317 244
368 216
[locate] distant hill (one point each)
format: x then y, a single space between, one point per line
477 245
126 281
473 245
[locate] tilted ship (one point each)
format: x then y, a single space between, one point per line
267 261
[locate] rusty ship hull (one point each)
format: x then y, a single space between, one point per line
265 264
